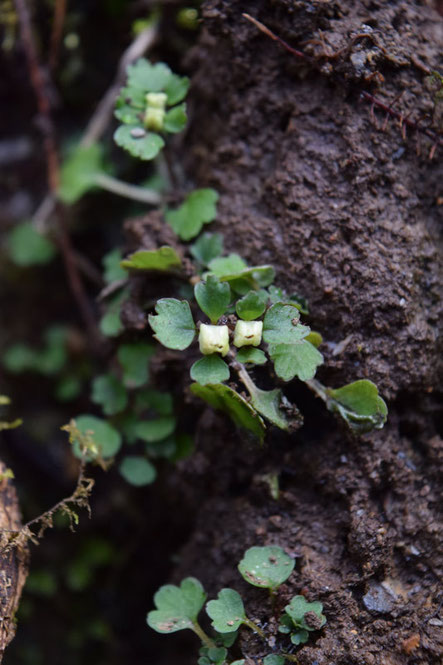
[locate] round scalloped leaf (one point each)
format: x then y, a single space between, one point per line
266 567
213 297
249 354
176 89
134 358
207 247
173 325
227 612
198 208
274 659
138 142
137 470
148 77
105 437
155 430
221 397
252 305
108 391
78 171
299 607
281 325
175 119
299 359
210 369
177 607
28 247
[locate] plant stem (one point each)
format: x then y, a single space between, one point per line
253 626
318 388
198 630
129 191
242 373
290 656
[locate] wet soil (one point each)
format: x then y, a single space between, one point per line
349 211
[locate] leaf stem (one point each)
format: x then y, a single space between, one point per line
318 388
253 626
121 188
290 656
198 630
242 373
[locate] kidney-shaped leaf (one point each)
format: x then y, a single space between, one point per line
173 326
281 325
299 607
299 359
227 612
177 607
266 567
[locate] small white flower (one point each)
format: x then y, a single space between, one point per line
248 333
213 339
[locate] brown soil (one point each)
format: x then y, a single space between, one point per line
348 212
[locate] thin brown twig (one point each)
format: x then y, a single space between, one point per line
53 169
57 32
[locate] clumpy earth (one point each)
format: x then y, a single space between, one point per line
327 189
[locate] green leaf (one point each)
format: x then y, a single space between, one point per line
134 359
155 430
160 403
145 145
109 393
299 637
165 448
176 89
273 659
175 119
110 323
217 655
227 612
267 403
28 247
297 610
105 437
173 326
266 567
49 360
213 297
227 265
18 358
278 295
136 470
210 369
68 388
298 359
281 325
249 354
177 607
164 259
242 661
359 404
129 115
78 171
241 278
221 397
148 77
252 305
113 272
207 247
198 208
184 447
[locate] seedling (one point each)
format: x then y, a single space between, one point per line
149 107
301 618
249 322
266 567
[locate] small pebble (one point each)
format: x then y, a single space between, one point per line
138 133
